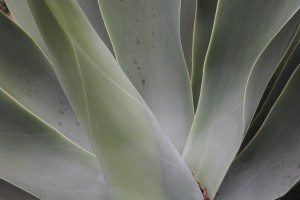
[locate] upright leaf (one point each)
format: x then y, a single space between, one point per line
146 39
187 16
127 140
92 10
269 166
41 161
266 65
30 79
23 16
241 31
260 92
204 20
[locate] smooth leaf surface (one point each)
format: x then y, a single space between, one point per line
23 17
127 140
269 166
204 20
36 158
261 93
146 39
241 31
187 16
266 65
31 80
92 10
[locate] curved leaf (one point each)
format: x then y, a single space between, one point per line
282 49
205 15
92 10
23 17
146 39
187 16
36 158
269 166
31 80
265 66
135 157
241 31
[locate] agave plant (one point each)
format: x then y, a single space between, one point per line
83 118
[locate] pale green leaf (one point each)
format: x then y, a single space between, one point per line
260 92
266 65
41 161
187 16
31 80
23 17
92 10
135 156
205 15
146 39
242 29
269 166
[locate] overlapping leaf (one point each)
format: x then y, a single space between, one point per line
269 166
127 140
205 15
146 39
241 31
31 80
36 158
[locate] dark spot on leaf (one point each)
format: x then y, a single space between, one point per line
28 94
298 166
124 32
152 8
138 41
153 15
136 20
59 123
138 68
143 82
134 61
77 123
61 102
61 112
26 79
153 33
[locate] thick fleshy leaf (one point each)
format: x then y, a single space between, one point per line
137 160
264 71
92 10
31 80
187 16
205 15
241 31
11 192
36 158
270 164
146 39
23 17
266 65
